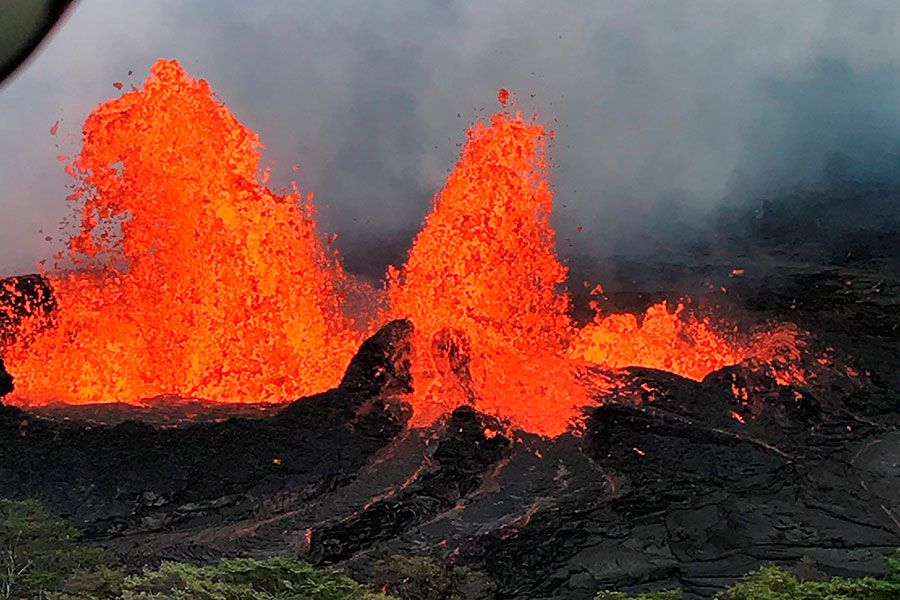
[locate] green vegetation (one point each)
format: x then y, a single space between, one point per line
239 579
774 583
38 552
41 558
420 578
803 582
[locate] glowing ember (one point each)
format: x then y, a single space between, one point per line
200 282
195 280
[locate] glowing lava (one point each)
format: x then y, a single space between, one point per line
482 283
687 345
199 281
196 280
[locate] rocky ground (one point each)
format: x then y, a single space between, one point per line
662 486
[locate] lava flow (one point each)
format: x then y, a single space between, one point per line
196 280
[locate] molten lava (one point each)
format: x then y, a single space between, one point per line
664 340
484 277
195 280
483 286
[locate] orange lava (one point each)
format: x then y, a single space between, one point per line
686 345
195 279
485 267
483 280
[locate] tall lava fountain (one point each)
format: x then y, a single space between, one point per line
483 274
195 279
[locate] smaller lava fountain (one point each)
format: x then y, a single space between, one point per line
195 280
483 282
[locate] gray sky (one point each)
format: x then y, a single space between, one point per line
659 107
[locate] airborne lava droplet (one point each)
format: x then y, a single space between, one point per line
503 96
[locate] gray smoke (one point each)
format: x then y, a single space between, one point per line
661 109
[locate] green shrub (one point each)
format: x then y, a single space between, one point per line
38 551
422 578
244 579
774 583
102 583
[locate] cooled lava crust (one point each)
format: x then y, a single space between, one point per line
661 486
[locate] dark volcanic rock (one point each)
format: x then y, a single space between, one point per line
162 411
22 297
657 500
132 477
6 380
381 365
135 477
454 469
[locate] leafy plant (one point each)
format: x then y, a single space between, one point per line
774 583
244 579
422 578
38 551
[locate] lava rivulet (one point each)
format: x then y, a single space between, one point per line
195 280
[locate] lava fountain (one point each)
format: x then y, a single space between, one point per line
484 287
483 283
194 279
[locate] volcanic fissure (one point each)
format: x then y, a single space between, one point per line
190 278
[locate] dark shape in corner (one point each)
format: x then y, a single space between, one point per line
31 21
